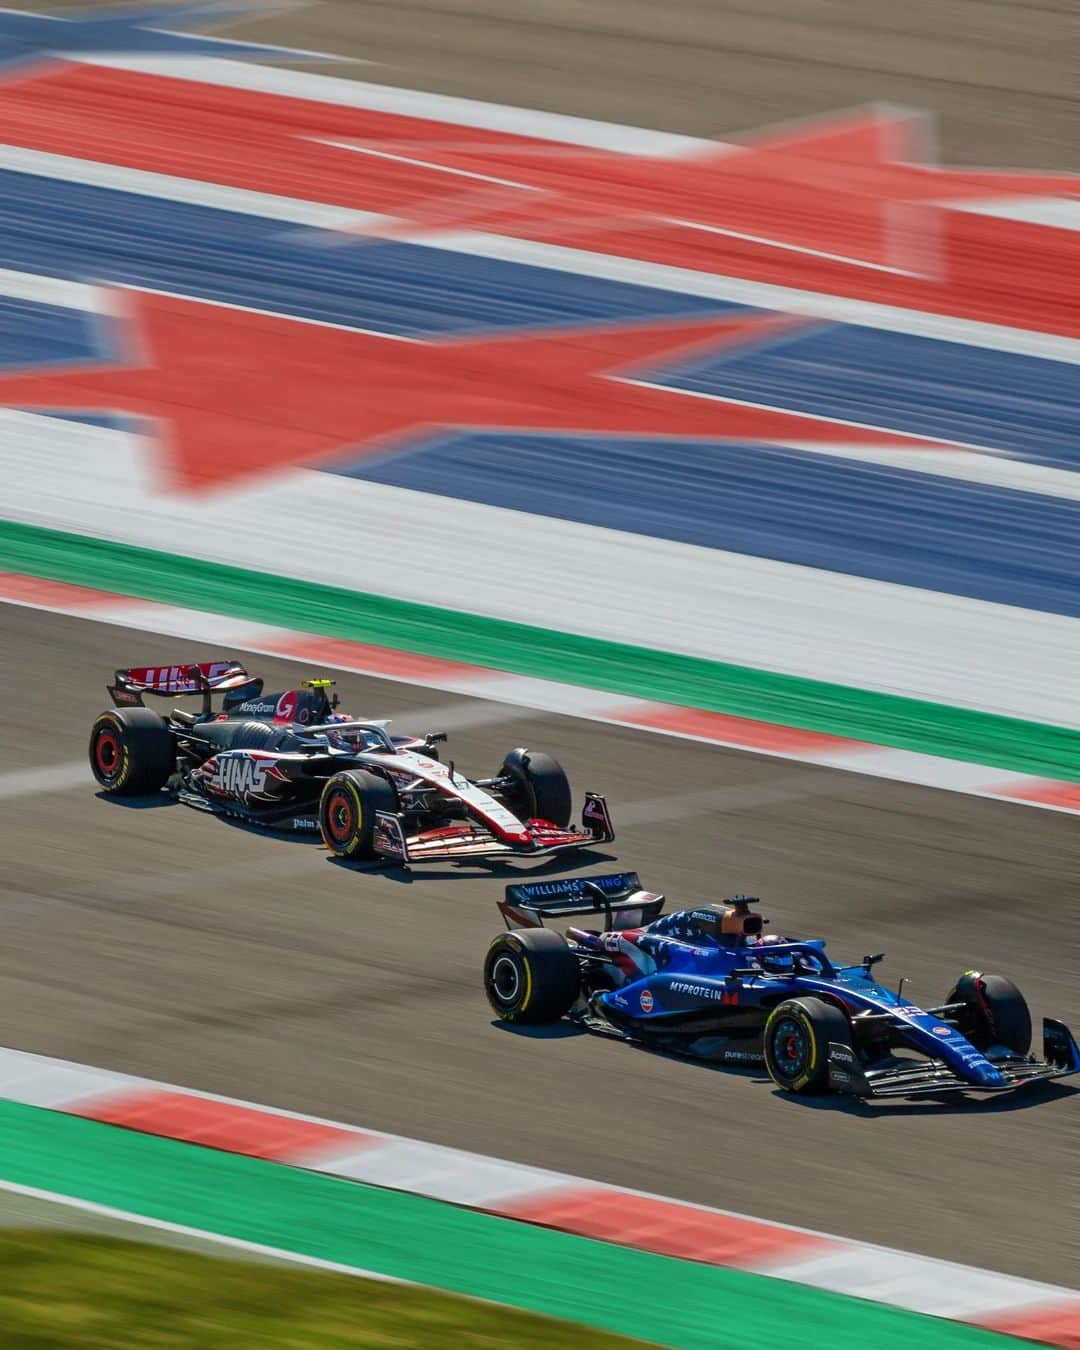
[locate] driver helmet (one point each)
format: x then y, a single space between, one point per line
354 740
779 962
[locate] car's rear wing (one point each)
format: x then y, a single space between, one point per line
205 677
619 898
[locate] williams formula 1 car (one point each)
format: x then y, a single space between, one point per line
291 761
706 983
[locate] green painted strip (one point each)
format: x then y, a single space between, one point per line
656 1298
636 672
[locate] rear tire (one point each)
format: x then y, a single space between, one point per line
995 1012
347 809
543 789
796 1043
531 976
131 751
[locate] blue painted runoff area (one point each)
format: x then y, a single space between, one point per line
1025 406
85 233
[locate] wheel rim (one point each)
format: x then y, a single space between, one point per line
340 817
107 754
790 1047
505 980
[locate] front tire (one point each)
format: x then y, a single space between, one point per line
347 809
531 976
131 751
995 1012
796 1043
542 787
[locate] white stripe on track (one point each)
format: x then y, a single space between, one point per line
462 112
1060 213
919 1283
758 294
192 191
202 1234
456 717
59 291
969 466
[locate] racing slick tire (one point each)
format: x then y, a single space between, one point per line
531 976
796 1043
347 809
543 789
995 1012
131 751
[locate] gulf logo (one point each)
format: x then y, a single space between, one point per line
287 706
646 1001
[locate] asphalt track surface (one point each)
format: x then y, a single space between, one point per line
155 940
999 74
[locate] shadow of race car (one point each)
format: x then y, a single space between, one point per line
290 761
706 983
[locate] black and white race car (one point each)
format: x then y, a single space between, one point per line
291 761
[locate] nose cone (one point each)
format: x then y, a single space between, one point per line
986 1075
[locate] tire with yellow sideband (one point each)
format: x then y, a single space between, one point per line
131 751
531 975
347 809
796 1043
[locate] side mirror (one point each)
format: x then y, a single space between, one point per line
435 736
869 961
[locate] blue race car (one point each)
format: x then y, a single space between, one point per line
707 983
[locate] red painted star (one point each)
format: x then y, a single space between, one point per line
235 394
852 188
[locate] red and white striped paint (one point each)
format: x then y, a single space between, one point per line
696 724
1026 1308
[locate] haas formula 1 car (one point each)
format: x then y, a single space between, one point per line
290 761
705 983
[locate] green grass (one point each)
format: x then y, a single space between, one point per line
80 1291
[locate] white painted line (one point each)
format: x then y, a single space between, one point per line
447 1174
382 98
970 466
870 427
456 717
57 291
758 294
1060 213
919 1283
192 191
51 778
195 624
428 164
203 1234
789 248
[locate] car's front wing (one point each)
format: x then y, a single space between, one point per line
930 1077
473 840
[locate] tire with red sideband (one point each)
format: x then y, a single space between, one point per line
995 1012
542 789
347 809
131 751
796 1043
531 975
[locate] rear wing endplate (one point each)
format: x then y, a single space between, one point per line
618 897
